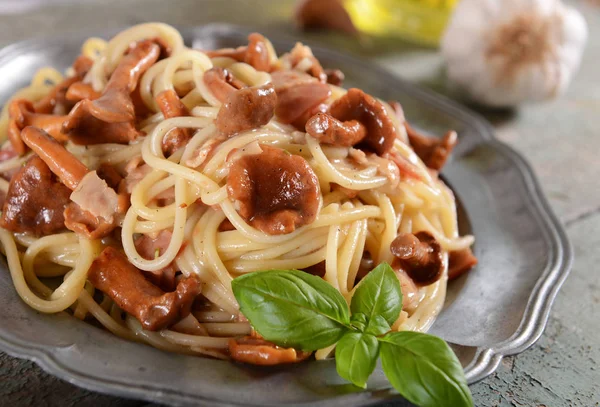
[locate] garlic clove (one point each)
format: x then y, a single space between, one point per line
574 31
504 52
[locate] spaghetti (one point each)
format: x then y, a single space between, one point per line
199 166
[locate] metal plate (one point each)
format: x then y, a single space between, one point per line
498 309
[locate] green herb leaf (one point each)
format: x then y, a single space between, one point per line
292 308
424 370
378 293
378 326
359 321
356 355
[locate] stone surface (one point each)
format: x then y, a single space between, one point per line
560 138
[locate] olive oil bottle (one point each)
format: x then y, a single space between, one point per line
421 21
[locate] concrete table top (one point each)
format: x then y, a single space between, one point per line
561 139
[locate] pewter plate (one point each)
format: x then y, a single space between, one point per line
498 309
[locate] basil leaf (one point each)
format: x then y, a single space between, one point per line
378 326
359 321
355 357
292 308
378 293
424 370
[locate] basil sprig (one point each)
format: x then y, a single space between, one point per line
292 308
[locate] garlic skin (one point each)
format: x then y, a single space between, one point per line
504 52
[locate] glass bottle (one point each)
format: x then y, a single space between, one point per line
421 21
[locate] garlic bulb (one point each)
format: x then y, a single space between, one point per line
503 52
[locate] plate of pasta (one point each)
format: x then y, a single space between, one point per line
183 208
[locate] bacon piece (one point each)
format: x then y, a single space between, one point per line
257 351
35 200
96 210
287 78
357 105
246 109
300 122
94 204
434 152
205 152
112 274
406 168
95 196
95 217
84 223
276 192
171 106
22 114
8 152
459 262
297 93
135 171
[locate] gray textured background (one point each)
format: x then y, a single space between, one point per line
560 138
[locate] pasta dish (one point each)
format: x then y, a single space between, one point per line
137 186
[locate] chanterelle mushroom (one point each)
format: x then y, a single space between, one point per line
246 109
356 105
257 351
255 54
110 118
96 202
433 151
221 82
420 256
112 274
329 130
275 191
171 106
35 200
459 262
22 114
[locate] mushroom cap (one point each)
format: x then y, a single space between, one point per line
246 109
360 106
420 256
275 191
